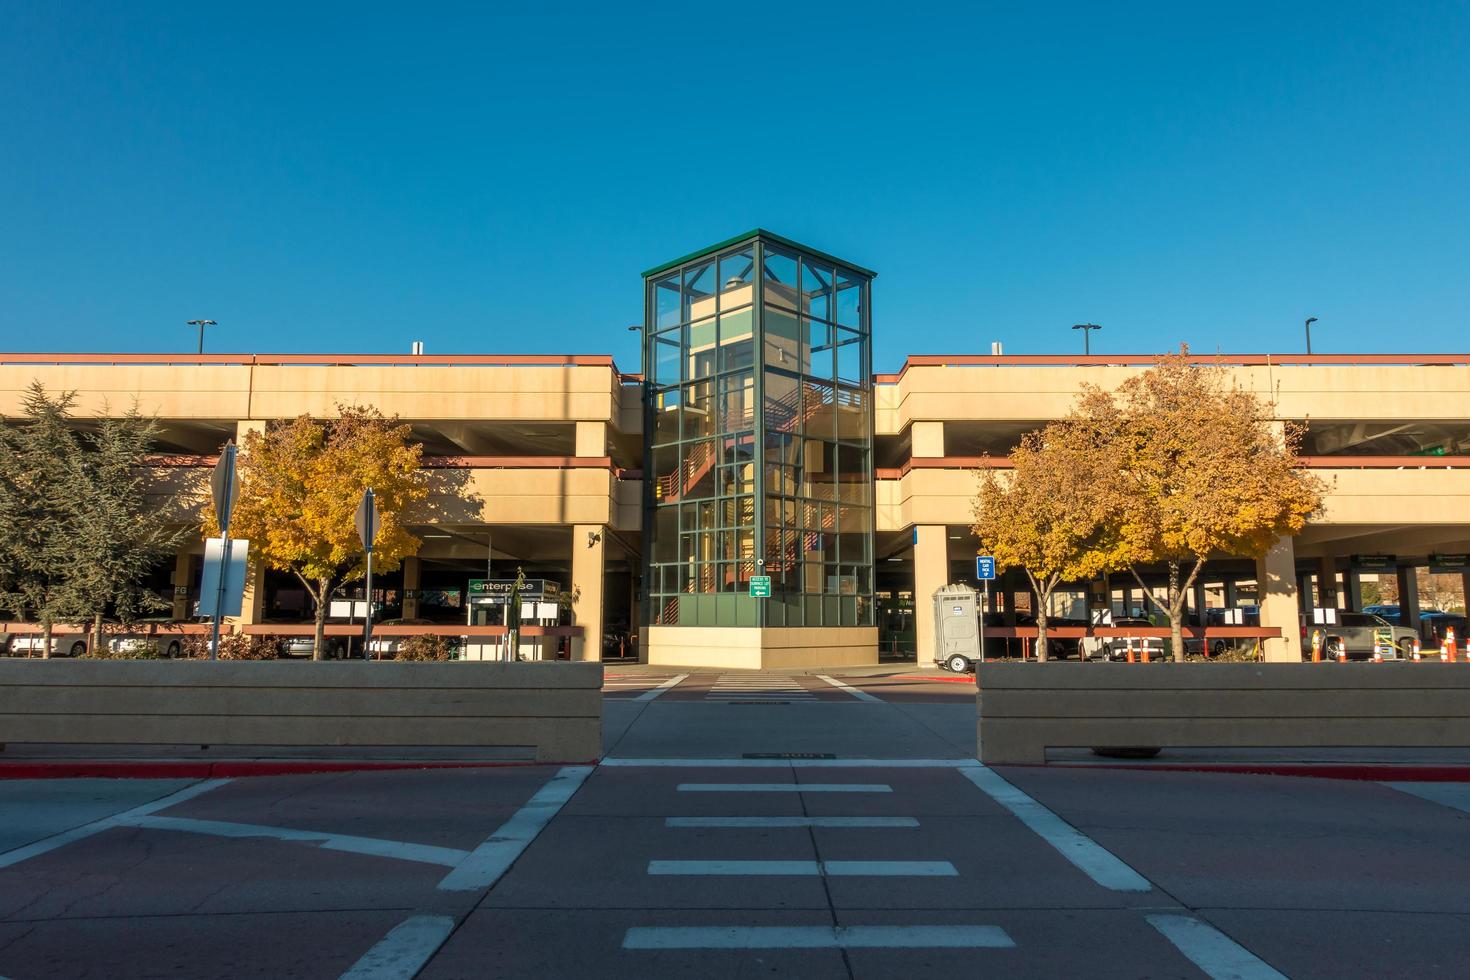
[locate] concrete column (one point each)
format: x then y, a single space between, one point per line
931 573
252 604
1354 582
183 576
1232 593
412 572
1199 601
1327 583
1409 597
1276 586
589 551
592 439
1465 591
927 439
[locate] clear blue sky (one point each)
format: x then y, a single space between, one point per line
354 176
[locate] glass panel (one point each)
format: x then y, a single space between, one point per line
664 475
700 343
818 349
699 469
782 401
780 278
816 290
666 359
816 410
737 343
699 410
782 340
849 357
699 291
849 300
737 402
666 534
737 278
852 415
666 415
666 302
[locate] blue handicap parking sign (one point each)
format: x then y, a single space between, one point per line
984 567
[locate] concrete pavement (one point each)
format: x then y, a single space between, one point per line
737 836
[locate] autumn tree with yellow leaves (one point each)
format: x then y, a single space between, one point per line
1175 466
1201 469
300 485
1051 515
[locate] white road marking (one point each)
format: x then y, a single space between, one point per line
860 695
784 788
29 851
817 937
1219 956
650 695
403 952
1456 795
830 869
1091 858
758 687
791 763
739 822
486 863
376 847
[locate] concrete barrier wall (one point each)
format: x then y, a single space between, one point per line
1024 709
554 709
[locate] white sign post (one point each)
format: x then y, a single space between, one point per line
225 484
367 530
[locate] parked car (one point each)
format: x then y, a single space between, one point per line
137 636
1354 633
64 643
1388 612
386 647
300 645
1249 616
1116 647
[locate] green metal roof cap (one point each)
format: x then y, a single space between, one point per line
751 236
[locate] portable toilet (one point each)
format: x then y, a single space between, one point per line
956 627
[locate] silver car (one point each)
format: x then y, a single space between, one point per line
63 644
1356 634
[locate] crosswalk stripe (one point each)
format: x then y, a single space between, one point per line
829 869
817 937
736 823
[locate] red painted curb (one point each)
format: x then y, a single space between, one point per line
230 769
1367 773
940 680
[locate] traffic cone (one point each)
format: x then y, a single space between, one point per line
1417 658
1447 649
1129 642
1377 654
1342 652
1143 651
1316 646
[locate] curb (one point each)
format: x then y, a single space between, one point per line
938 680
230 769
1376 773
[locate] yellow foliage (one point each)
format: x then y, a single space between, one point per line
301 483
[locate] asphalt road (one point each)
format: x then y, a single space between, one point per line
738 829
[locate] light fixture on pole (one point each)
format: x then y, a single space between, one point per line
201 324
1310 320
1087 329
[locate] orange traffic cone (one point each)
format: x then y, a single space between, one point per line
1417 658
1129 643
1341 651
1447 649
1316 646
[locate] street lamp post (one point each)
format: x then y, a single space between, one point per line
1087 329
1310 320
201 324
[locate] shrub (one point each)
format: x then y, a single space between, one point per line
131 651
232 646
426 647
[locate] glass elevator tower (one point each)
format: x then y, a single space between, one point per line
759 437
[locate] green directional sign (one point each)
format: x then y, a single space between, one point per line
760 586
